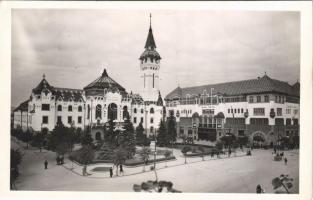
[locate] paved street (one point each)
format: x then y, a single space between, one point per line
236 174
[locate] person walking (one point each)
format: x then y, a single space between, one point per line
46 164
111 172
121 169
286 161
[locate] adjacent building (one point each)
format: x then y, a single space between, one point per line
264 109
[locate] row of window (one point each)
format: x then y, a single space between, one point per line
236 110
45 119
46 107
258 99
142 111
141 120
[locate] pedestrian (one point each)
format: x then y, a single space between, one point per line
46 164
58 160
121 169
259 189
286 161
274 150
111 172
229 152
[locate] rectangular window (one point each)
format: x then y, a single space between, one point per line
258 99
279 112
45 120
266 98
141 119
259 111
279 121
69 119
295 112
295 122
251 99
259 121
135 120
151 120
288 121
288 111
59 119
241 110
45 107
79 119
228 110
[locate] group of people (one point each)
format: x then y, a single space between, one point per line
121 170
281 154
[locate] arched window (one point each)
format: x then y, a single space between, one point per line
70 108
98 111
80 108
151 110
125 112
88 111
266 98
112 111
141 110
59 108
135 110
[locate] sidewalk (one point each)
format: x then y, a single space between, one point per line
128 171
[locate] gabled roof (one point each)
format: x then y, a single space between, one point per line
252 86
42 86
105 82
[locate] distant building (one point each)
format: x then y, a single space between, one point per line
264 107
100 101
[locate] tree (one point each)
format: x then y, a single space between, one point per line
119 157
282 181
171 128
86 139
16 159
144 155
228 140
202 149
106 151
184 151
86 154
167 155
242 140
141 138
128 138
162 138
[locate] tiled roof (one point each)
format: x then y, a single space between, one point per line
105 82
252 86
67 94
22 107
64 94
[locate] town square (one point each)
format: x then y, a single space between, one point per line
140 102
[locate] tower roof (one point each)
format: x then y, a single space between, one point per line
150 39
150 43
150 47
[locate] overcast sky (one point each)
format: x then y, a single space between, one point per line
73 46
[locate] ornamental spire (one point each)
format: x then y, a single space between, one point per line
150 43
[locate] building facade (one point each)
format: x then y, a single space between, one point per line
259 108
97 103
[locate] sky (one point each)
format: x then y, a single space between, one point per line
72 47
